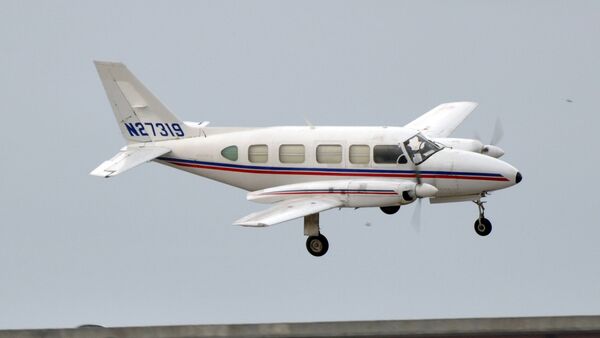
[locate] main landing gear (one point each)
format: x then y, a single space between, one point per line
316 244
390 210
483 226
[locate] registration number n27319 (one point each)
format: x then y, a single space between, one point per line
154 129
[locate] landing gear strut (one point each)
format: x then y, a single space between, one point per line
483 226
316 244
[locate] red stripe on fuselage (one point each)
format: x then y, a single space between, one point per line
291 172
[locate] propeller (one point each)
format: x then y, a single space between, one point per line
421 190
492 149
498 132
415 220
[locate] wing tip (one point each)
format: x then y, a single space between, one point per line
101 171
250 224
107 63
461 103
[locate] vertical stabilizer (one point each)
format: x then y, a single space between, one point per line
140 115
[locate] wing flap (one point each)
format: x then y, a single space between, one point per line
442 120
288 210
128 158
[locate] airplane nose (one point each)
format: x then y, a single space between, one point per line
519 177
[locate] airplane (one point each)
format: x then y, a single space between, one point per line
302 171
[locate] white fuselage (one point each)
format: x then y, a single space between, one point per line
453 172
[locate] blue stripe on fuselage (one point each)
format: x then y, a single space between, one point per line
343 170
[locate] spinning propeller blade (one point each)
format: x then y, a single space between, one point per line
416 216
498 133
418 175
421 190
492 149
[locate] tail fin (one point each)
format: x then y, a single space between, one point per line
140 115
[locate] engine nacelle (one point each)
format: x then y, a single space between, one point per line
493 151
355 193
471 145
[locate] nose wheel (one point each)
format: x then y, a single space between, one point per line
483 226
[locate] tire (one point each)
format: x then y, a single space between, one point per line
483 226
317 245
390 210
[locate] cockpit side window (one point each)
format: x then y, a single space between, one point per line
389 153
420 148
230 153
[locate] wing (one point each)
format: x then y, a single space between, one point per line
287 210
443 119
128 158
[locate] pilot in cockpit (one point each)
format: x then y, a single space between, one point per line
420 148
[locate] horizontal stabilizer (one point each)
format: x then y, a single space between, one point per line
288 210
128 158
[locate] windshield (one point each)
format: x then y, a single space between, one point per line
420 148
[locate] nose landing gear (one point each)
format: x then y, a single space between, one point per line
483 226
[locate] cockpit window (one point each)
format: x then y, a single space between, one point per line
230 153
420 148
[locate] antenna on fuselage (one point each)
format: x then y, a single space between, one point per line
202 125
308 123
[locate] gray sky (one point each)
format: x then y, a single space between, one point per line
156 246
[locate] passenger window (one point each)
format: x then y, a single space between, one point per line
258 153
389 154
291 153
359 154
230 153
329 153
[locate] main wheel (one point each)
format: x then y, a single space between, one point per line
317 245
390 210
483 226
